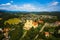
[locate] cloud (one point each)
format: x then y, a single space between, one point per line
55 3
29 7
52 6
24 7
5 4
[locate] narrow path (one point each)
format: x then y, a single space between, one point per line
41 30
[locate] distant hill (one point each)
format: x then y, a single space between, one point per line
11 13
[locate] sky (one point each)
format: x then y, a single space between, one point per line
30 5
